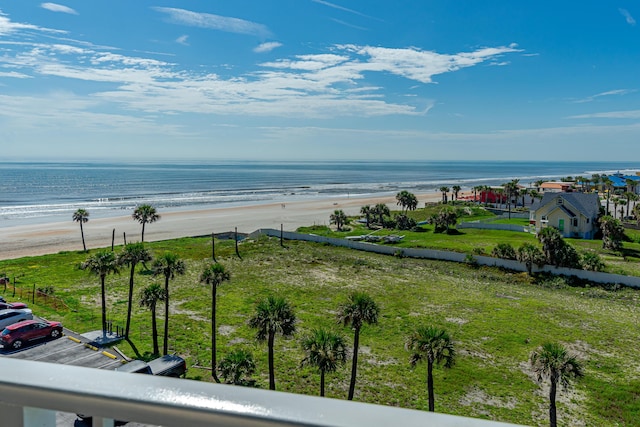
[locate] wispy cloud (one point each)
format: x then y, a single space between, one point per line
617 92
344 9
7 26
346 24
267 47
632 114
182 40
627 16
214 22
54 7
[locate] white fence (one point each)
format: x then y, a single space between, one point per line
593 276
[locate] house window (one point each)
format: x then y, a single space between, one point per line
559 200
587 220
544 218
574 222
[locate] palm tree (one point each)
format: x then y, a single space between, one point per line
615 202
273 315
359 309
630 197
407 201
366 211
552 361
81 216
381 210
456 190
214 275
434 345
608 185
530 254
444 190
324 350
145 214
339 218
167 265
236 366
102 264
149 298
131 255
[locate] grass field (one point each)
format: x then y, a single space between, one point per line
495 318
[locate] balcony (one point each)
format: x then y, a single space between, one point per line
31 393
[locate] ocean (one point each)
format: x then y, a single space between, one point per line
37 192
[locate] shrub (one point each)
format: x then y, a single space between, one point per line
504 250
591 261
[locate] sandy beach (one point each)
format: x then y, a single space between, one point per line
41 239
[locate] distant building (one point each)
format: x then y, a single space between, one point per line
574 214
556 186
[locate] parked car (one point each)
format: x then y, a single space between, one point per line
7 305
14 315
16 335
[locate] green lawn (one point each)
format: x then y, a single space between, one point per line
495 318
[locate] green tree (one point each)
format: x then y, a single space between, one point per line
433 345
81 216
167 265
366 211
456 190
237 366
145 214
326 351
552 243
149 298
444 219
131 255
630 197
273 316
380 211
530 254
552 361
101 264
612 233
407 201
339 218
359 309
214 275
444 190
511 188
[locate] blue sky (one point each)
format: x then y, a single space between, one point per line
314 79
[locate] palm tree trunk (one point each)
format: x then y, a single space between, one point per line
272 379
129 305
213 333
142 239
104 306
552 404
82 234
154 330
354 362
165 344
322 383
430 385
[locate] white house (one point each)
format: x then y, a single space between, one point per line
574 214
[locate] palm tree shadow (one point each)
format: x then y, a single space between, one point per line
134 348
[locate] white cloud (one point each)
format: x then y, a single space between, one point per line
214 22
344 9
182 40
54 7
617 92
632 114
266 47
7 26
627 16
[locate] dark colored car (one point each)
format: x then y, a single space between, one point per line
8 305
14 315
16 335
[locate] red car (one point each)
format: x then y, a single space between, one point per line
16 335
9 305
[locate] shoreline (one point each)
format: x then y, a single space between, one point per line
53 237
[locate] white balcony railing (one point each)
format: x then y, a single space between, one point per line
32 392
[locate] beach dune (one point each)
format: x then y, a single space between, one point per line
41 239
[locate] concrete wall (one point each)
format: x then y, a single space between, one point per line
593 276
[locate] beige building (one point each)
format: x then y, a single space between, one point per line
573 214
